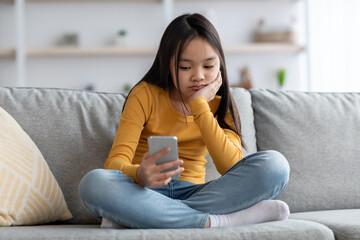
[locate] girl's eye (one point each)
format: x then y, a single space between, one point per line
184 68
210 66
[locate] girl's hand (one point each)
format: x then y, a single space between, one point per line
210 90
149 174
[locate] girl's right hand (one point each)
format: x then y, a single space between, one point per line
210 90
150 175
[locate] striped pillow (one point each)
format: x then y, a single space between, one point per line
29 193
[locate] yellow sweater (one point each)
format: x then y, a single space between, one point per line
149 112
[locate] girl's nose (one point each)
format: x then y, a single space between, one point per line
197 76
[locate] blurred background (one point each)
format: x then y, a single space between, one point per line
108 45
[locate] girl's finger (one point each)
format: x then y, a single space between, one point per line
168 165
217 76
169 174
160 178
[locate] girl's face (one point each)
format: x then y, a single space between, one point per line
199 65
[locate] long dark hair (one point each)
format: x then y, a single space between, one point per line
177 35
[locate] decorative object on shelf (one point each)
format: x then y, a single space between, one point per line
69 39
281 75
245 81
121 36
126 88
90 87
277 34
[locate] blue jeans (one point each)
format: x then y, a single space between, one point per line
182 204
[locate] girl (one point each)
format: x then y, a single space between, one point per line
185 94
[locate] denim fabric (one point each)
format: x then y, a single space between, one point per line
181 204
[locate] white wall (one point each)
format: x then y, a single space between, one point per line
97 22
334 44
7 40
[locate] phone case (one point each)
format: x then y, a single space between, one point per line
157 143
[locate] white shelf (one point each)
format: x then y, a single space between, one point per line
259 48
12 1
156 0
236 0
251 48
86 52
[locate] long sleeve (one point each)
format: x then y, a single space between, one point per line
224 145
131 124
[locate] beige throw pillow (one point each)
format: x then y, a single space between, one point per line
29 192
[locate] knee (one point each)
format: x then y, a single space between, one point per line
276 162
275 169
90 182
94 183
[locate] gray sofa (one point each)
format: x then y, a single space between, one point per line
319 134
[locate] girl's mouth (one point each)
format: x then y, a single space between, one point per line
197 87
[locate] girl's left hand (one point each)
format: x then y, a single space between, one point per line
210 90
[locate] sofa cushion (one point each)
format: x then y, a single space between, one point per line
344 223
29 193
290 229
319 135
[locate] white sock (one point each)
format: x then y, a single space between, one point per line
263 211
106 223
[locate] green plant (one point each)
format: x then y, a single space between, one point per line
127 87
122 33
281 75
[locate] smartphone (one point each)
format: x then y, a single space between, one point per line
158 143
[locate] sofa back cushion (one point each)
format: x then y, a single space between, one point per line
242 99
319 134
74 130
